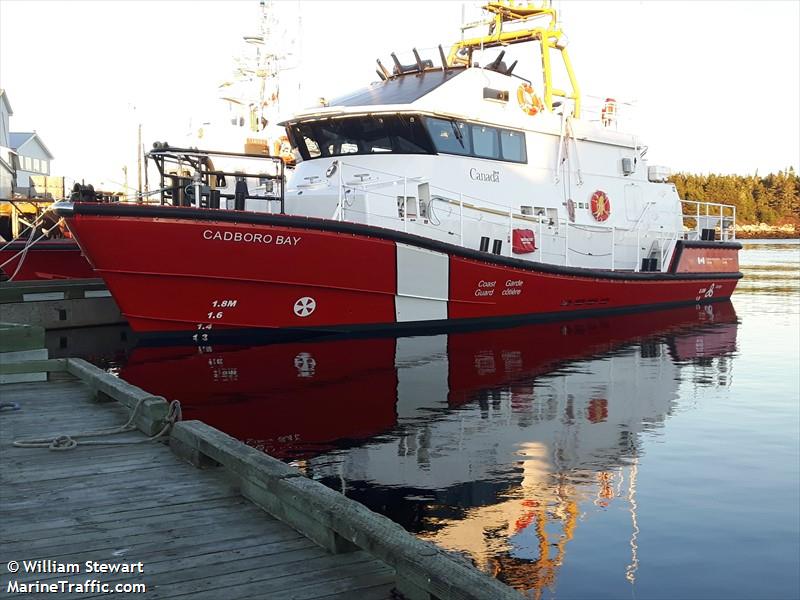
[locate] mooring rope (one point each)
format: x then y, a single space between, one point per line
69 441
32 226
28 245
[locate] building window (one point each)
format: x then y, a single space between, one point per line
27 163
45 167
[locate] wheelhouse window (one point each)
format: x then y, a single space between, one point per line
450 137
474 139
366 134
485 142
512 144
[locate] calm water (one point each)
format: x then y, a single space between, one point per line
653 455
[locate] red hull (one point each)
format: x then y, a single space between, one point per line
198 269
47 259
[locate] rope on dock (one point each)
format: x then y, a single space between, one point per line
8 406
69 441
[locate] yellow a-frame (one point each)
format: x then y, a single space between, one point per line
551 37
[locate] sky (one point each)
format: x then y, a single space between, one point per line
715 85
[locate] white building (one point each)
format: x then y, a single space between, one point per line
33 158
6 154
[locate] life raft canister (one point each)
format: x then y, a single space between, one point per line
529 102
600 206
523 241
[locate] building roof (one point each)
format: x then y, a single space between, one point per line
18 139
4 98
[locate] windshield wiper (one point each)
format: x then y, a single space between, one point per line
458 134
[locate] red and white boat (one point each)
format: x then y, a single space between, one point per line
46 259
443 195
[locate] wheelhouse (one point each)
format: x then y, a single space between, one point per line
405 134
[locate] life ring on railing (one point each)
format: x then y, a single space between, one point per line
283 149
600 206
609 113
529 102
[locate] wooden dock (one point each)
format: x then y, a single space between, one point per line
208 532
58 303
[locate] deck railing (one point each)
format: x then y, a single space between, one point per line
415 205
557 238
704 217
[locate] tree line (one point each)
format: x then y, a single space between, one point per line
773 199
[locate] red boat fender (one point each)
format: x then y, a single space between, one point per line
523 241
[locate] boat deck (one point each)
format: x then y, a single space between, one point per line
194 533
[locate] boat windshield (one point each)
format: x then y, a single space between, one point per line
365 134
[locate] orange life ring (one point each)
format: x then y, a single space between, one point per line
283 149
609 113
529 102
601 206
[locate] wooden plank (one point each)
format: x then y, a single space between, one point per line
377 582
110 481
278 542
152 522
172 569
382 591
194 549
279 580
108 548
290 559
328 517
43 527
82 469
75 490
140 498
97 535
32 366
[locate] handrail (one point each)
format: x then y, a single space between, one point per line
725 222
556 228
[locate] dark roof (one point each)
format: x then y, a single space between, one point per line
399 90
18 139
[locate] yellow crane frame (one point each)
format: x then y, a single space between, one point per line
551 38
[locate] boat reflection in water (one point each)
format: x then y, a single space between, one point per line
495 444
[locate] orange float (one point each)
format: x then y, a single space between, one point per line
529 102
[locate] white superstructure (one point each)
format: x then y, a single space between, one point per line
464 151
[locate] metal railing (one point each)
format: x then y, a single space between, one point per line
702 217
557 238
